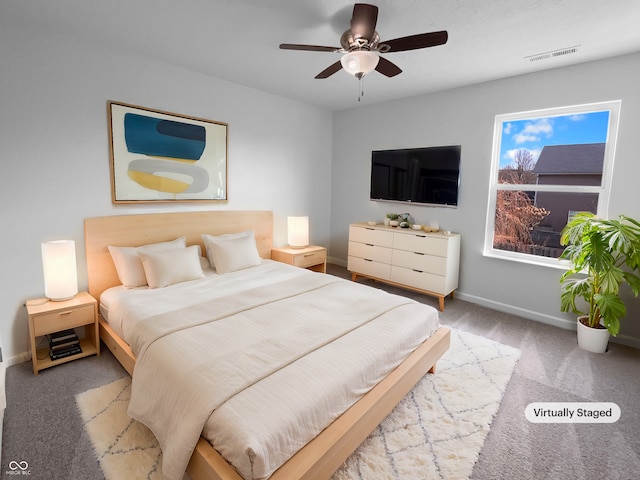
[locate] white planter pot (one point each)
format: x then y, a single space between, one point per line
592 339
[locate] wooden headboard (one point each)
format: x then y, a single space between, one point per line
136 230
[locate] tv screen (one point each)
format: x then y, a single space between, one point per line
428 175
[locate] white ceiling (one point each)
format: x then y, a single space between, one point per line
237 40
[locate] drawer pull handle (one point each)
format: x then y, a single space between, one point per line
367 228
369 244
309 254
418 253
421 236
418 271
64 313
367 260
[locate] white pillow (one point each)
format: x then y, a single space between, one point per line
164 268
204 263
128 264
231 252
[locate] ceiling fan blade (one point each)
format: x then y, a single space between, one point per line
414 42
387 68
327 72
363 21
312 48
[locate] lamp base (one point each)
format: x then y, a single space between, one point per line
63 299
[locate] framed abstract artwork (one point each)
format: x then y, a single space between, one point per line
159 156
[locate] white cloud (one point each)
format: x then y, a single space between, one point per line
577 118
507 128
534 130
510 155
523 138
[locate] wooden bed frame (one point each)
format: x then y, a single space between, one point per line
328 451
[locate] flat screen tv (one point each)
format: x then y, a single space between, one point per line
428 175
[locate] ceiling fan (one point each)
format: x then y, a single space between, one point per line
361 46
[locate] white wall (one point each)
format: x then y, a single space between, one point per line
465 116
55 161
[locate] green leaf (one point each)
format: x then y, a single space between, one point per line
634 282
612 309
608 252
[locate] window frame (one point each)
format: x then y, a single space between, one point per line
603 190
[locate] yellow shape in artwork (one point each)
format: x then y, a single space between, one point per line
155 182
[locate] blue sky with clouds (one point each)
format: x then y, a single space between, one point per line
533 134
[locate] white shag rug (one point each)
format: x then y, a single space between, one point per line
436 432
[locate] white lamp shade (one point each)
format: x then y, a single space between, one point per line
359 62
59 266
298 231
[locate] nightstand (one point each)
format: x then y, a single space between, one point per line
52 317
311 257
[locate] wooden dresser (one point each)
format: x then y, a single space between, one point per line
413 259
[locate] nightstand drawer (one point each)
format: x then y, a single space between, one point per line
62 320
310 258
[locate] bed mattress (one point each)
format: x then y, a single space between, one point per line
292 350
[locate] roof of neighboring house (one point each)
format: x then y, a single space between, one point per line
584 158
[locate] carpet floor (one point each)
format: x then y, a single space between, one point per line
436 432
42 426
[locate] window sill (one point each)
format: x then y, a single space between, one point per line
528 259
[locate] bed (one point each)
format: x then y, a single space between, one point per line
323 454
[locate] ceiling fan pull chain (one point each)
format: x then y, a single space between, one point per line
360 88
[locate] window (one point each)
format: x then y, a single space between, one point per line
546 166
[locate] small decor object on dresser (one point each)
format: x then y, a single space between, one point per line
311 257
55 324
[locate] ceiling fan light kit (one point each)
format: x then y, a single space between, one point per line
361 46
359 62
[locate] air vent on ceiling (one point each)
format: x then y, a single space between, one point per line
554 53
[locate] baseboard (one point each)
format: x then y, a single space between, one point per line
20 358
539 317
337 261
521 312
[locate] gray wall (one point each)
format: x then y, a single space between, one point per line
55 161
465 116
283 156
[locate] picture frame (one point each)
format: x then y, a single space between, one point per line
158 156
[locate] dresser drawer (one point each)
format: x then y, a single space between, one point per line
420 261
311 258
422 280
369 267
63 319
371 236
370 252
420 243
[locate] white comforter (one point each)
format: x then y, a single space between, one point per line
258 361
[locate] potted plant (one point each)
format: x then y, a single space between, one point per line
393 219
604 254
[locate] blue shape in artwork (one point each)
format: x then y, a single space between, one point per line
163 138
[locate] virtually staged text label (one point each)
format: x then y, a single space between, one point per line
572 412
